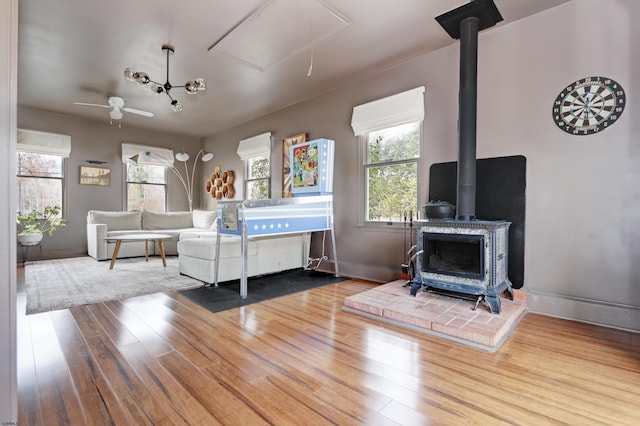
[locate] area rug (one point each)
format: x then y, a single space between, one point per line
440 315
227 294
64 283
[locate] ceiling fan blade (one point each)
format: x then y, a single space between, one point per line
137 111
85 104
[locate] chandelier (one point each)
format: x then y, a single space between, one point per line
143 79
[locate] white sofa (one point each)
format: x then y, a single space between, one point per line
104 224
193 239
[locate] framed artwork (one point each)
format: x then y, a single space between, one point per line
95 176
286 162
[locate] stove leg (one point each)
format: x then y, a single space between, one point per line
415 287
494 303
509 293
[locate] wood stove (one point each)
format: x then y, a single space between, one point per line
464 257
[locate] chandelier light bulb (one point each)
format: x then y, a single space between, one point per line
176 106
206 157
200 84
191 88
128 74
156 88
142 78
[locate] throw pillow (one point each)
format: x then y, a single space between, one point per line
203 219
117 220
169 220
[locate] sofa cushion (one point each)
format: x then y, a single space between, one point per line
203 219
170 220
117 220
205 248
197 233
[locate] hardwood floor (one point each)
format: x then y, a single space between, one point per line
161 359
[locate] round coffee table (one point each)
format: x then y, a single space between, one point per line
139 237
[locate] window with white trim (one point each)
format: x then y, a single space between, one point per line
389 133
256 154
391 172
146 179
258 179
146 187
40 170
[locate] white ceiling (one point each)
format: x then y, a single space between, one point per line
255 55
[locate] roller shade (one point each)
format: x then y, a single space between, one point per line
146 155
402 108
256 146
43 143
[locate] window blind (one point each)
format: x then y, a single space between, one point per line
43 143
402 108
256 146
142 154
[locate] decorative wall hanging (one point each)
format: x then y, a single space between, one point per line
221 184
95 176
286 162
589 105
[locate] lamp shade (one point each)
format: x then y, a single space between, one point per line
182 156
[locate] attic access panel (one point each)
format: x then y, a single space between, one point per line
279 30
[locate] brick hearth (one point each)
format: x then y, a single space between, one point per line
440 315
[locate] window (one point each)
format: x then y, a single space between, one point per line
256 153
146 187
389 132
391 172
40 169
257 182
40 181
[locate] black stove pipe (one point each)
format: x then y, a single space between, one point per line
467 105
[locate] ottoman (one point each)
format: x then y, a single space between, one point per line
197 258
265 255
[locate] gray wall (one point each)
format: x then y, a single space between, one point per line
583 192
98 140
8 316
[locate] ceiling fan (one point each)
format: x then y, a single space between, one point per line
117 107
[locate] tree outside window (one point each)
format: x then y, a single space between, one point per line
40 180
146 187
257 181
391 172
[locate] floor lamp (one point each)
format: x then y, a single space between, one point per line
188 179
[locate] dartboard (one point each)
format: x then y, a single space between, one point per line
588 105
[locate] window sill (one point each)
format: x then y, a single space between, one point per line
384 226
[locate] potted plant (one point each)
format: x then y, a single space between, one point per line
32 225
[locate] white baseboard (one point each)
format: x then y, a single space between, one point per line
625 317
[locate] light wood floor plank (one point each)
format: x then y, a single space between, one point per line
129 395
83 370
165 388
222 403
301 359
